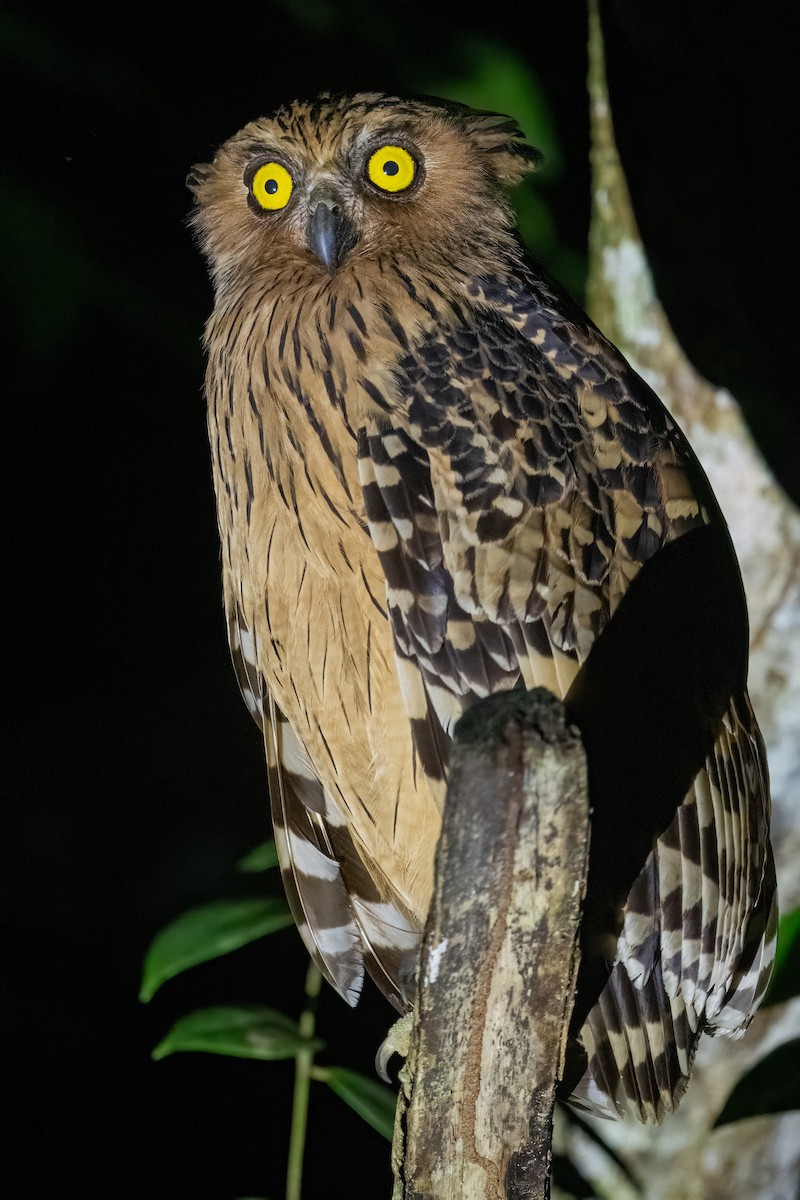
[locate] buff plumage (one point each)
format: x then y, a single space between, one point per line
436 480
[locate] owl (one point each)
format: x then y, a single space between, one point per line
436 480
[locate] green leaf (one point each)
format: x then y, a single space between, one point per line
206 933
370 1099
246 1032
771 1086
785 982
260 858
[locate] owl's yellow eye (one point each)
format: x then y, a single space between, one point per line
392 169
271 186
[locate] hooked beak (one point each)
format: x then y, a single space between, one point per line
330 233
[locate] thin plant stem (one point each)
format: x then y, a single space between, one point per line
304 1063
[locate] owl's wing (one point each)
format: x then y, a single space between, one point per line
699 936
336 907
529 487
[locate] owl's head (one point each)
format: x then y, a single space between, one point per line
322 186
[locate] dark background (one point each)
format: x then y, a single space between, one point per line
137 777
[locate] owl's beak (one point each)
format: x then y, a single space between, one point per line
330 232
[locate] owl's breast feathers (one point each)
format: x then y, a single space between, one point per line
431 488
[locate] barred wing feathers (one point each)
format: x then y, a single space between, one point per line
344 923
529 488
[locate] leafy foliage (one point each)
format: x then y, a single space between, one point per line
771 1086
209 932
253 1031
244 1032
373 1101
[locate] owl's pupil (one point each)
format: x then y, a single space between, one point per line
271 187
390 167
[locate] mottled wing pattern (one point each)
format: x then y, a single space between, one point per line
513 500
640 1045
526 481
444 658
711 947
699 936
337 909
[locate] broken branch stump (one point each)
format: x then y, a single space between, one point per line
499 959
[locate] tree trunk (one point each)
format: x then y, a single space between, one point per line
499 959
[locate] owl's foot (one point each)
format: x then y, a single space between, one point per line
397 1041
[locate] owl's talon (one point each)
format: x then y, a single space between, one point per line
397 1041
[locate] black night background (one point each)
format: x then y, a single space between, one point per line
137 778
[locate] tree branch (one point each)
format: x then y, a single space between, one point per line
762 1157
764 524
499 959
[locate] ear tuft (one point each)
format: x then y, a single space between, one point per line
197 177
501 139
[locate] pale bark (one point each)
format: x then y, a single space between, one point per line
685 1159
499 959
